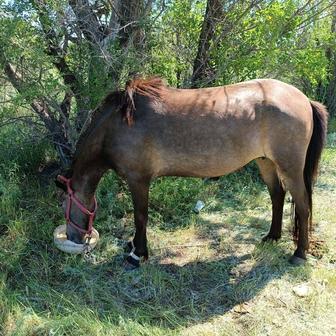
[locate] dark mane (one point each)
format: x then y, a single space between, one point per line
149 87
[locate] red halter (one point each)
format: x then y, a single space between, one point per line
73 198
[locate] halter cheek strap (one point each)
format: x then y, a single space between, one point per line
73 199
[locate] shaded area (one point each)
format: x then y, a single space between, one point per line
161 294
192 293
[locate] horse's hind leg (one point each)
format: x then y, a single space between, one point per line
277 193
301 200
294 182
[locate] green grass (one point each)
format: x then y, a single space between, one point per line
207 274
332 125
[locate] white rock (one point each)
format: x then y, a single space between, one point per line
302 290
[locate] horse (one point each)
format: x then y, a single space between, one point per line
149 129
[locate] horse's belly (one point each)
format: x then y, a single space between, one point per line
207 146
209 160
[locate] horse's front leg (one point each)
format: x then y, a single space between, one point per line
139 189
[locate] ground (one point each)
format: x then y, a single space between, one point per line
208 273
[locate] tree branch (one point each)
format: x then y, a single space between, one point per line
41 108
88 21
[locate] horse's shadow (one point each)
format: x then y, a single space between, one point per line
160 293
194 292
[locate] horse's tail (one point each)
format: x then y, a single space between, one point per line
317 141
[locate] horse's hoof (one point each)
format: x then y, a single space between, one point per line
269 238
130 267
297 261
131 264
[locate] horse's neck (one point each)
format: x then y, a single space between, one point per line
85 182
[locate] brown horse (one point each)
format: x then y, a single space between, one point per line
150 130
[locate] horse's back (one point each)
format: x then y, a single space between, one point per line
213 131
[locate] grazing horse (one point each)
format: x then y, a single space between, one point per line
149 130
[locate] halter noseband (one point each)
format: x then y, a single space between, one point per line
81 207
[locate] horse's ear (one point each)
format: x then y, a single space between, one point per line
60 183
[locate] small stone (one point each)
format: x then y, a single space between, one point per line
302 290
242 308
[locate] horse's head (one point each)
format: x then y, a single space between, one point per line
78 217
86 168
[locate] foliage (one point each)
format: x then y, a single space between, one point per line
174 41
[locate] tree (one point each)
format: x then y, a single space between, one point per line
103 33
213 17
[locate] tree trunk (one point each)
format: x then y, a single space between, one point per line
202 65
327 93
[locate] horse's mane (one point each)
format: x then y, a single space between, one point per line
122 100
148 87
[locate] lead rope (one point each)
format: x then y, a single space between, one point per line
88 256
